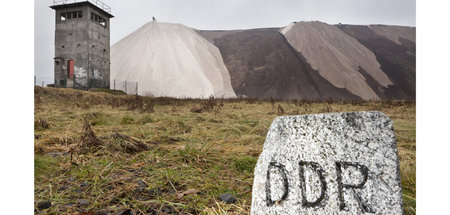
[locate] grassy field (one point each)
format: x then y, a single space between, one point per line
97 152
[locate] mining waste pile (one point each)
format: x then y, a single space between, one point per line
171 60
303 61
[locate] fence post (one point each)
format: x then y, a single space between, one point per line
136 88
125 87
34 80
42 83
114 84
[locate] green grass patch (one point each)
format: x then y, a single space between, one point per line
244 163
102 119
104 90
127 120
44 166
145 119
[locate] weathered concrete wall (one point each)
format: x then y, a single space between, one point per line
87 43
71 43
99 51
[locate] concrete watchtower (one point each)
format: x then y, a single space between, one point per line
82 47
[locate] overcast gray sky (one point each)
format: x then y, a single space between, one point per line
222 14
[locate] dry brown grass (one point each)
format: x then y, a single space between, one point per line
172 148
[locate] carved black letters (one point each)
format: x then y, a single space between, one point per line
269 200
365 172
317 169
323 185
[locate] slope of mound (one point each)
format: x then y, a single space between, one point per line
337 56
211 35
394 33
170 60
397 60
262 64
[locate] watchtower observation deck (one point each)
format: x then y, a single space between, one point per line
97 3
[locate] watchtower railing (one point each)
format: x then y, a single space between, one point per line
97 3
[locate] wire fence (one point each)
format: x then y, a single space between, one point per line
129 87
43 81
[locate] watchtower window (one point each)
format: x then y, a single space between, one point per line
98 19
93 16
71 15
102 21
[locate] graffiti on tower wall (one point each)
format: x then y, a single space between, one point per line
81 76
98 75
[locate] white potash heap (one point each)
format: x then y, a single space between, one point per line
171 60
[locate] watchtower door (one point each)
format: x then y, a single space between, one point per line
70 73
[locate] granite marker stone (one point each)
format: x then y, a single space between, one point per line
339 163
